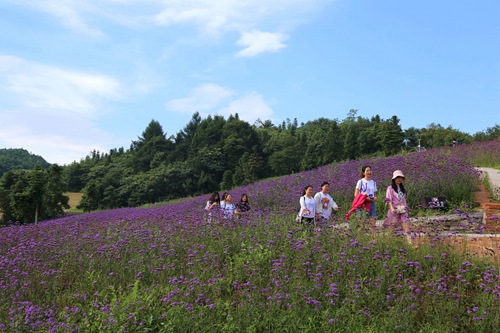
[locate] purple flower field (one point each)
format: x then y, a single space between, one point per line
174 268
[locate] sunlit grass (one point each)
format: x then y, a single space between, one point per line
74 200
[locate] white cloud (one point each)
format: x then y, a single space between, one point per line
40 86
203 98
47 110
58 137
209 16
211 98
70 13
258 41
249 108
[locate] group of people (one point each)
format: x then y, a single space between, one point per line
318 209
226 204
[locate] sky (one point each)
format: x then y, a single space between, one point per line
82 75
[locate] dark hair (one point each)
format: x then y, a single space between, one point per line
244 195
214 198
395 187
304 190
324 183
224 195
363 169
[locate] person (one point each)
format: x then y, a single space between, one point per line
223 198
307 206
213 202
366 185
324 205
227 206
395 196
243 206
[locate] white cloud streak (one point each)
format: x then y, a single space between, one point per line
58 137
211 17
257 42
38 86
203 98
249 108
47 110
70 13
210 98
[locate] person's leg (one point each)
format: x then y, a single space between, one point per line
373 218
406 230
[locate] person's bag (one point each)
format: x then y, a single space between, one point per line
298 219
400 209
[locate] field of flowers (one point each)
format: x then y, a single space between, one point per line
174 269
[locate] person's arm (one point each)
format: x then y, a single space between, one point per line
358 186
334 205
389 196
303 207
318 205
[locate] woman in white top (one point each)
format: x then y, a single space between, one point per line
227 206
307 206
324 204
366 185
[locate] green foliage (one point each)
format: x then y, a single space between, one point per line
19 159
213 153
227 180
30 196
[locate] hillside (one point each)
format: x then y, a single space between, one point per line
176 268
19 159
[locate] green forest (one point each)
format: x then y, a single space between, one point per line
19 159
207 155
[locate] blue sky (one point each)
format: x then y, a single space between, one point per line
82 75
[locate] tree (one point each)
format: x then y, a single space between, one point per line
30 196
411 137
7 183
12 159
334 143
54 200
36 189
91 196
391 136
148 146
227 181
238 138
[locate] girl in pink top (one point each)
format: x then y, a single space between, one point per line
397 214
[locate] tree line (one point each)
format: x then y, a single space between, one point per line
19 159
28 196
218 154
207 155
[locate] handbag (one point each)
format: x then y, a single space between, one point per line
400 209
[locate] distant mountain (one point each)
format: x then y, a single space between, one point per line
19 159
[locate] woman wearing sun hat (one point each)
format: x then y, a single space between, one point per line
397 214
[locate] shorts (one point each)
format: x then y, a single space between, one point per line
307 220
373 210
